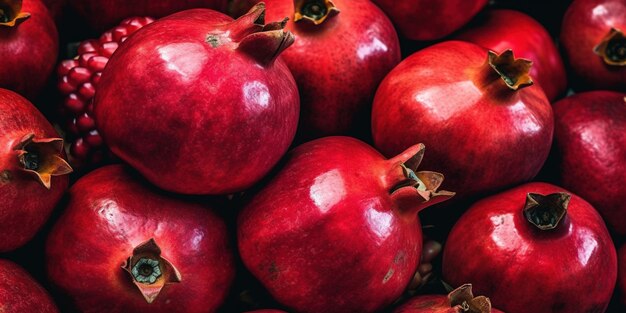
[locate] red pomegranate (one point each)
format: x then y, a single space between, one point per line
621 278
104 14
552 254
590 133
198 103
21 293
593 36
32 170
337 230
460 300
123 246
28 46
500 30
55 7
343 50
78 79
430 20
487 127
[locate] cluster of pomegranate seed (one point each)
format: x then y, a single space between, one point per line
78 79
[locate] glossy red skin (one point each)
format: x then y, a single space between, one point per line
522 269
110 213
21 293
338 64
25 204
225 137
585 24
431 304
500 30
430 20
28 51
101 15
326 227
468 131
621 275
590 133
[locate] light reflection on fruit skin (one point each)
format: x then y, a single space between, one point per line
509 259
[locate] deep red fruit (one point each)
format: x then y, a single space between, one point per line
78 79
486 131
500 30
550 255
55 7
104 14
32 170
28 46
621 278
339 225
199 103
590 133
123 246
343 50
21 293
460 300
593 36
430 20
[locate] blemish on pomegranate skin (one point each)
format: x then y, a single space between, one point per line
388 275
5 177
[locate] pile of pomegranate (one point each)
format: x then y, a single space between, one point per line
312 156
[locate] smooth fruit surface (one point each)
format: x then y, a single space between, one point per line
500 30
430 20
32 170
594 42
338 60
20 293
199 103
109 215
29 46
480 132
338 223
522 268
590 134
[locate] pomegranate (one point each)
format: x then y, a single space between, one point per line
21 293
28 46
487 127
32 170
621 278
104 14
590 133
123 246
552 254
55 7
338 224
78 78
594 41
336 90
459 300
188 125
430 20
499 30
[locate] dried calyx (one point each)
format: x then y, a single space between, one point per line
149 271
263 42
612 48
463 299
11 13
314 11
514 72
545 212
42 158
422 183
